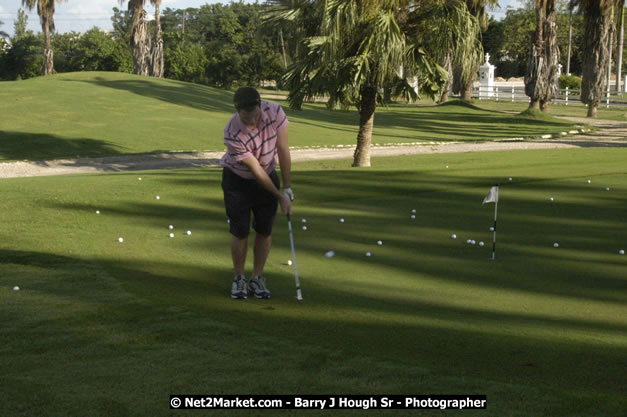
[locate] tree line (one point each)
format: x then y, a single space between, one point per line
216 45
353 52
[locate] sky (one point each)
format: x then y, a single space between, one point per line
82 15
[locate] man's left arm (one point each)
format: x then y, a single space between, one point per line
285 159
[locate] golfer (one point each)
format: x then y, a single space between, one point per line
254 137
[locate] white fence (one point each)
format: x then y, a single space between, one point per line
563 96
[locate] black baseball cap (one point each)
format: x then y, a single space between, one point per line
246 98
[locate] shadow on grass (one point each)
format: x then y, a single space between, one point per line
184 94
35 146
385 320
452 122
418 333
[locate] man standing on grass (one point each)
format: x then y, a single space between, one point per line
254 137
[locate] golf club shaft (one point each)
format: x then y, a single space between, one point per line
299 295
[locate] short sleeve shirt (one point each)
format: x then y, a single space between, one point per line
260 142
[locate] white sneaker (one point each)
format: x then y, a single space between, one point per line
239 288
257 287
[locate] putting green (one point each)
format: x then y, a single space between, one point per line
541 330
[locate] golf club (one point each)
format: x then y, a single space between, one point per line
299 294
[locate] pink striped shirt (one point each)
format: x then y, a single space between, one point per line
260 142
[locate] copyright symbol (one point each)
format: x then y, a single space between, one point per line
175 402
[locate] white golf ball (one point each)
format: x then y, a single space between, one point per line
413 210
472 242
304 227
228 221
481 243
468 241
607 188
454 236
158 198
589 181
289 262
342 220
189 232
510 178
556 245
492 228
379 242
170 227
551 199
413 216
304 220
120 239
330 254
97 211
171 234
368 254
622 251
447 166
140 178
16 288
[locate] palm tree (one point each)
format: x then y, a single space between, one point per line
466 66
299 18
157 48
597 22
619 48
140 41
544 56
147 59
363 46
45 10
454 42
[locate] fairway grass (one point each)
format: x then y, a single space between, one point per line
107 328
96 114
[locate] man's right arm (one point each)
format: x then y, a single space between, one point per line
262 178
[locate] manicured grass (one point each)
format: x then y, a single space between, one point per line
107 328
572 110
103 114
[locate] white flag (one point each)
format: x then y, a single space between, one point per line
493 195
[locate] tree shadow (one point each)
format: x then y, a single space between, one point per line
400 329
36 146
456 122
174 92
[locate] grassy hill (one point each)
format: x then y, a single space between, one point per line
104 114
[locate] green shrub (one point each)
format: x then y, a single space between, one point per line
571 81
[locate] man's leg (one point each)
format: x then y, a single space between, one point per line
239 247
261 252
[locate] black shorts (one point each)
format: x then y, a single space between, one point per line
243 196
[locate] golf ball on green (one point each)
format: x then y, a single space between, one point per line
120 239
